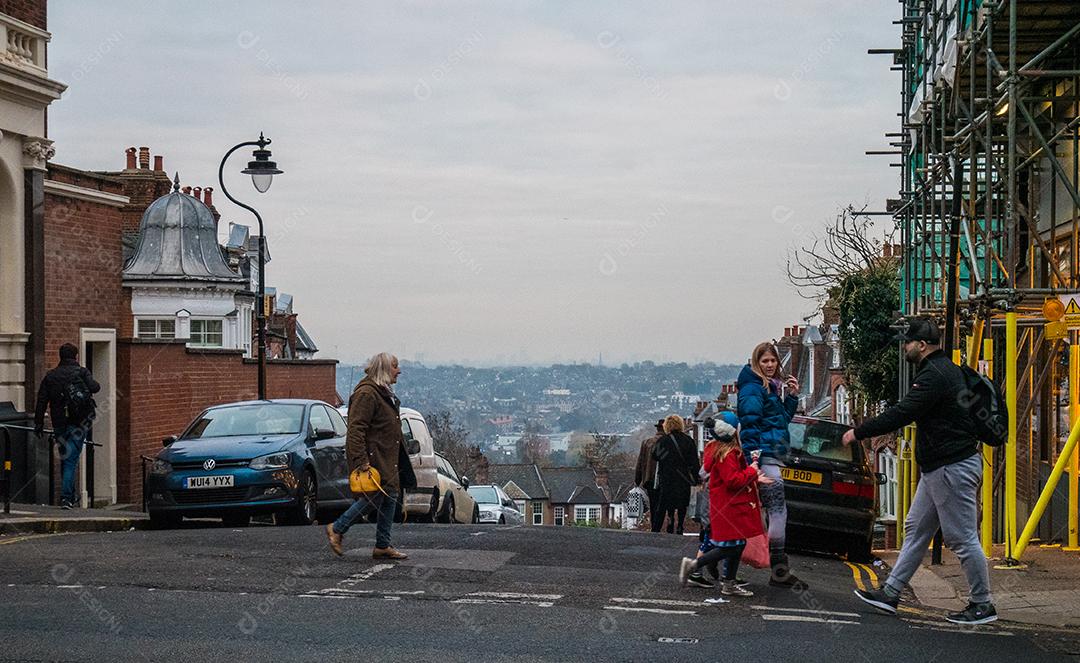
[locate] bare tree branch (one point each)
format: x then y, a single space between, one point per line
845 248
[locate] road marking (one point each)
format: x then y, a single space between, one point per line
806 611
365 592
515 595
503 601
858 576
805 618
658 611
688 604
871 575
366 574
948 627
28 537
678 641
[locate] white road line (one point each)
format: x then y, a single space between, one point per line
358 578
659 611
323 596
503 601
515 595
926 624
805 618
688 604
364 592
805 611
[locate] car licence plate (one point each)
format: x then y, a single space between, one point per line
209 481
801 476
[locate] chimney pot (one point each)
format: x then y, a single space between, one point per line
208 194
787 331
197 192
130 152
159 163
186 190
144 158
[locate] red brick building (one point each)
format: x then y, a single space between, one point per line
152 386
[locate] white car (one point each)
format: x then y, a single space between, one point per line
495 505
441 495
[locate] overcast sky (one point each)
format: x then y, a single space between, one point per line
505 182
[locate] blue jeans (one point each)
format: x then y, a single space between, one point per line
386 506
71 440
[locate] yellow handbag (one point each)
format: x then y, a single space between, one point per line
365 482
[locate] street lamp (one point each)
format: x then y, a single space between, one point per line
262 171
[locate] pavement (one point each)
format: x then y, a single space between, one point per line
42 519
1045 590
468 592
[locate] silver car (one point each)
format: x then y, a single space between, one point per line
495 506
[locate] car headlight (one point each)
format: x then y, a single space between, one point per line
270 462
160 467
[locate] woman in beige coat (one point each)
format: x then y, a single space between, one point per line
375 440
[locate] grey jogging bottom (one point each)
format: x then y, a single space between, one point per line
947 498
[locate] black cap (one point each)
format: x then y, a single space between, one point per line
921 329
659 424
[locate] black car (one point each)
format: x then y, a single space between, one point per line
831 490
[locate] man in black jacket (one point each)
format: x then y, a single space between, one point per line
947 451
69 427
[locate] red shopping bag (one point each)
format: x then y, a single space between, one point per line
756 552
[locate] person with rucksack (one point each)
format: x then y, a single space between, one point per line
67 391
676 472
940 402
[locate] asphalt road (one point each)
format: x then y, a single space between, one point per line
468 593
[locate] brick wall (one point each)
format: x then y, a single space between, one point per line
27 11
163 385
83 260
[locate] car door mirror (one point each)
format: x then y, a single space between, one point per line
465 482
881 478
412 446
323 434
168 440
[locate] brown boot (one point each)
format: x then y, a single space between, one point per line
387 553
335 540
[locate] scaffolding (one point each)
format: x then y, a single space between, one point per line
989 221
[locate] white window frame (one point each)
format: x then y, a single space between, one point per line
591 514
202 321
537 511
843 406
157 327
560 515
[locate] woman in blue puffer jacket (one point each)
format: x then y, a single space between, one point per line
764 417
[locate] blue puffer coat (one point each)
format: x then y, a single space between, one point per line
763 417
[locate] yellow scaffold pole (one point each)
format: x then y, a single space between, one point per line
987 522
1074 465
1010 445
1048 490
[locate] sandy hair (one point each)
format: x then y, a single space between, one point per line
673 423
760 351
379 368
720 449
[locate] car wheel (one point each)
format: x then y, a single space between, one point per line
236 520
162 520
433 511
502 520
447 515
475 515
859 551
306 508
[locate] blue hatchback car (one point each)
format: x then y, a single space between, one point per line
285 457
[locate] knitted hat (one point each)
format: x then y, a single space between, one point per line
724 426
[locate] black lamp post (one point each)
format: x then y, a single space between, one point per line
262 171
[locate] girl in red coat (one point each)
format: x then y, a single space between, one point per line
734 514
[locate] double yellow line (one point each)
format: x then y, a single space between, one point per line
857 571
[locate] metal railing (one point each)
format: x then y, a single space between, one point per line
7 467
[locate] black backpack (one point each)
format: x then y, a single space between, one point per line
987 408
78 403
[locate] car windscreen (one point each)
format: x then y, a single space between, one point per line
255 419
822 439
484 494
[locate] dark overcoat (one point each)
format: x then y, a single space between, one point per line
375 434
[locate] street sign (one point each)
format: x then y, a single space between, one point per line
1072 311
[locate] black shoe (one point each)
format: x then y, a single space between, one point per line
974 613
699 580
784 578
65 505
879 599
741 582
